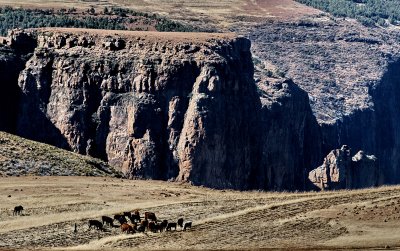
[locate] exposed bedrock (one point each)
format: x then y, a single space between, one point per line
341 171
352 76
185 107
291 141
162 106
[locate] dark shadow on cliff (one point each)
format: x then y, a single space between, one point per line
35 125
291 136
10 67
375 130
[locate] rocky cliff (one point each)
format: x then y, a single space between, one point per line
351 74
155 105
341 171
171 106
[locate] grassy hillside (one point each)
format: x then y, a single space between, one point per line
107 18
19 156
368 12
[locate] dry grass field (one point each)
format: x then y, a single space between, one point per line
222 13
364 219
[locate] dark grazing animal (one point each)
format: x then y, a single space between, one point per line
96 224
127 214
136 212
117 216
127 228
122 220
141 228
153 226
187 225
163 225
144 223
180 222
150 216
170 226
108 220
134 218
18 210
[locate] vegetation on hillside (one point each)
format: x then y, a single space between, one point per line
368 12
111 19
19 156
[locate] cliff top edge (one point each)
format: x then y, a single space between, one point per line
146 35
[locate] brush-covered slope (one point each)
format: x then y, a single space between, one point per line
19 156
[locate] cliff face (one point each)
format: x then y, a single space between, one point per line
12 60
161 106
351 74
341 171
291 140
179 107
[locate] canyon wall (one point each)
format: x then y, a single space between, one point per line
155 105
172 106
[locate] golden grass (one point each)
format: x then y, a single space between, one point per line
222 219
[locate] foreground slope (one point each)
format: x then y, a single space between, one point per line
364 219
19 156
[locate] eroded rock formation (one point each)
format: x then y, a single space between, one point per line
341 171
162 106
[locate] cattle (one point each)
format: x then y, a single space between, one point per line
187 225
122 220
163 225
141 228
170 226
134 218
152 226
150 216
127 228
95 223
117 216
108 220
136 212
127 214
144 223
18 210
180 222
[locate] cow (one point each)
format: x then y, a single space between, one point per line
127 228
163 225
136 212
127 214
170 226
152 226
150 216
122 220
134 218
117 216
187 225
144 223
180 222
18 210
108 220
141 228
96 224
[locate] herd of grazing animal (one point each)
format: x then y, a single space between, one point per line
138 224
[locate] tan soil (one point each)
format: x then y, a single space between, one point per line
366 219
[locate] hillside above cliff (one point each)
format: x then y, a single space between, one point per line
19 156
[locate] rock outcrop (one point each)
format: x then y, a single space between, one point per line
155 105
341 171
